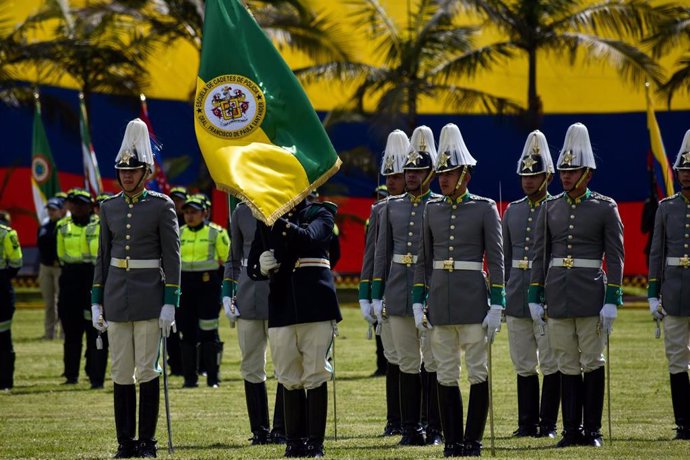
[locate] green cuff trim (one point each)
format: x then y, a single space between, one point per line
364 290
172 295
97 294
614 294
535 294
229 288
418 293
498 295
653 289
377 289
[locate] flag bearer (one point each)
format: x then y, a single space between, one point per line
10 263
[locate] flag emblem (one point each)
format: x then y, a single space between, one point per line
230 106
40 169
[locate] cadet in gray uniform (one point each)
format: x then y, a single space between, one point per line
576 230
669 283
245 302
394 259
136 289
394 158
459 230
529 344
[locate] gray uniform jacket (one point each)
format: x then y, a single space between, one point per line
585 228
369 250
519 227
252 296
144 227
400 229
464 231
671 239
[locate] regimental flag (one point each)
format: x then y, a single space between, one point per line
662 169
256 128
44 177
92 176
158 181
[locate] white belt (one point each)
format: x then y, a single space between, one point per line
569 262
312 262
678 261
451 265
407 259
522 264
135 263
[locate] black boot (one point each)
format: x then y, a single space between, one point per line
99 362
295 410
392 400
188 357
528 406
450 407
424 375
72 356
410 409
174 348
381 361
317 410
212 352
257 408
6 369
149 401
476 418
278 431
571 406
125 404
680 396
550 400
594 384
434 436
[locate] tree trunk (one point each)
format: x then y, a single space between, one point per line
534 107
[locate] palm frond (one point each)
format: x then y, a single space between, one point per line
464 100
469 63
376 22
672 34
679 82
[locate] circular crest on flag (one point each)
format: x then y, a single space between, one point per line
230 106
40 169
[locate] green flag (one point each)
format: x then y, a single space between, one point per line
44 177
256 128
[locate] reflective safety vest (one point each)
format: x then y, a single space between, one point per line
203 249
75 243
10 250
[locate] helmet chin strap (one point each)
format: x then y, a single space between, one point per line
579 181
142 179
460 179
427 180
545 182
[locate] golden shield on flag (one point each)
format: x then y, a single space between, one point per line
230 106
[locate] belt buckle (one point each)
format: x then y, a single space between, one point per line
449 264
684 261
407 259
523 264
568 262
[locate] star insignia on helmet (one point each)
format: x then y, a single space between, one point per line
443 159
126 156
568 158
686 157
528 163
414 158
388 162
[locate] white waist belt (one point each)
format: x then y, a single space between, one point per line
451 265
522 264
135 263
678 261
312 262
569 262
407 259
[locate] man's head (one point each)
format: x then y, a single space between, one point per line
395 184
134 161
81 203
576 161
179 197
535 166
394 157
420 161
455 163
194 211
682 163
54 206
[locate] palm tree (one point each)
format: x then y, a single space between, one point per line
574 28
424 59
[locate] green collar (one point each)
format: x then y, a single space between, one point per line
536 204
465 197
579 199
417 199
136 198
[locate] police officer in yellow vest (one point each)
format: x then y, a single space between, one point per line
10 263
204 248
77 237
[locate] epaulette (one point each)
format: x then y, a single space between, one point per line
436 199
481 198
669 198
524 198
160 195
555 197
601 197
395 197
216 226
117 195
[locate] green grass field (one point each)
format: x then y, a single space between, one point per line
42 419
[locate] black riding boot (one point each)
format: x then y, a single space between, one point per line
278 431
528 406
410 409
550 400
125 404
6 369
450 406
257 408
295 410
434 436
188 357
317 410
594 383
392 401
571 406
149 401
381 362
680 396
72 351
476 418
212 354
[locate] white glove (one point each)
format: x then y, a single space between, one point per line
268 262
378 309
608 313
657 313
492 322
167 320
96 315
418 310
231 310
367 311
537 312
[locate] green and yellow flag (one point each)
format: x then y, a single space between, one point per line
256 128
44 175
